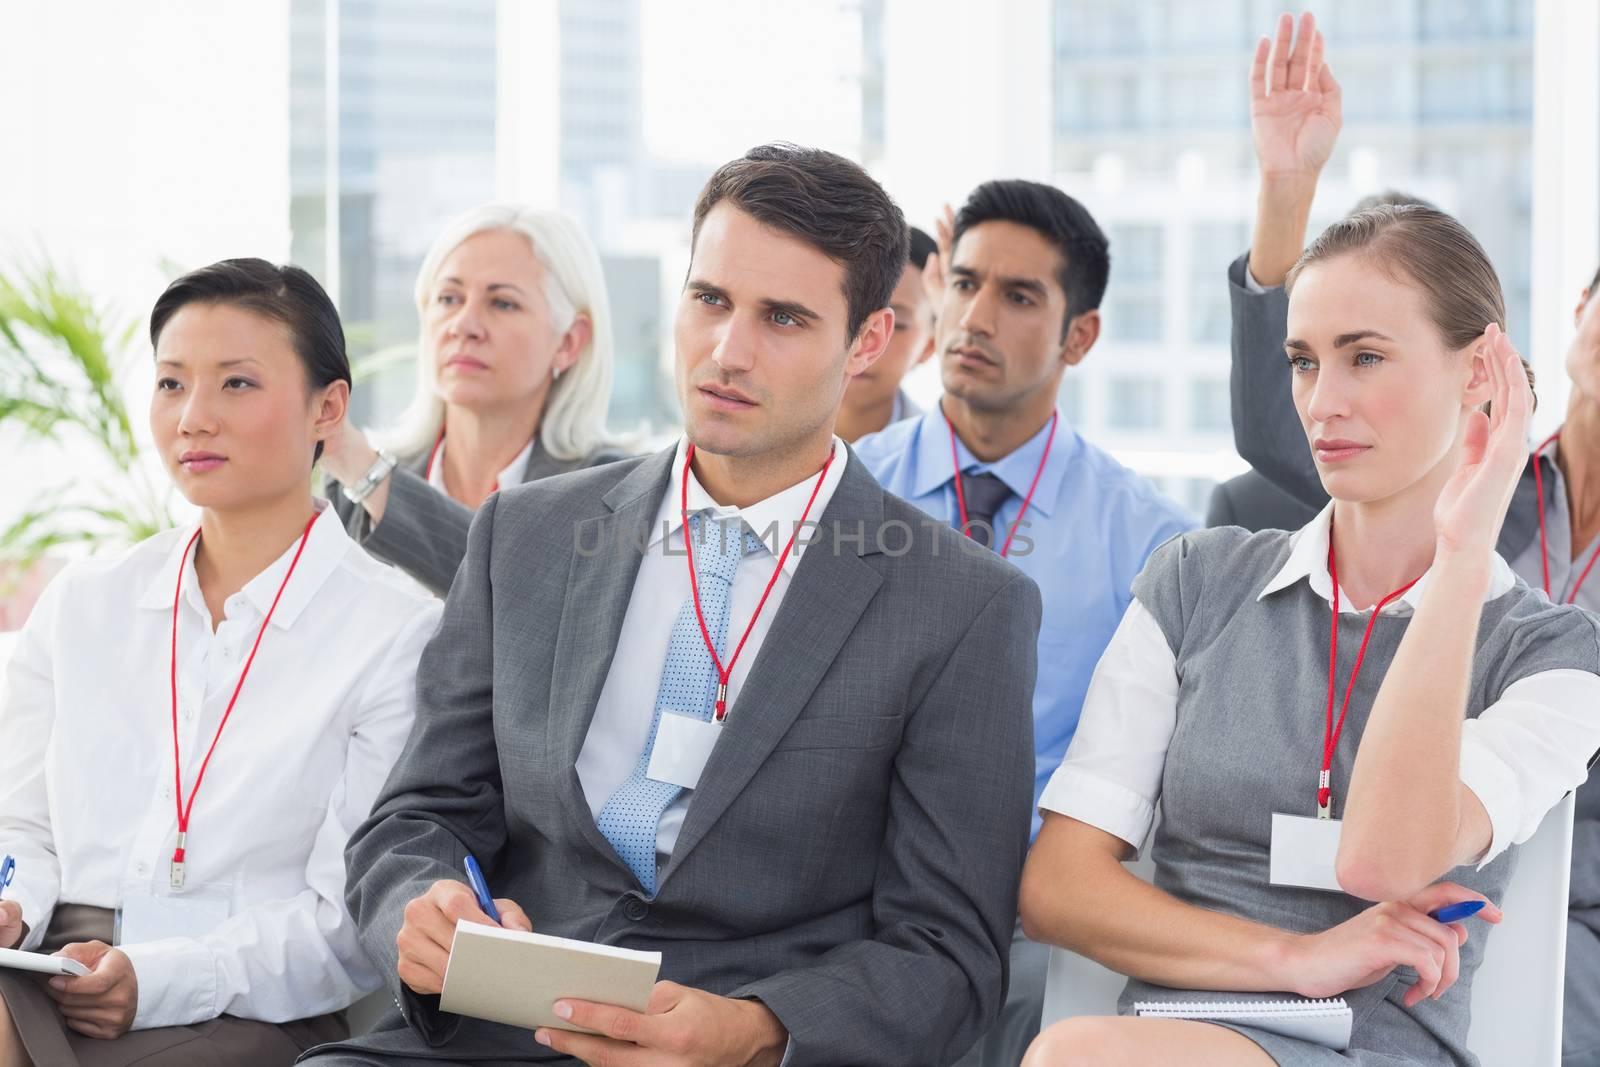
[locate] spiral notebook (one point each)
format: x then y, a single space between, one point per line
1325 1022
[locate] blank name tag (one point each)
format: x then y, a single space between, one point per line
1304 850
149 916
683 744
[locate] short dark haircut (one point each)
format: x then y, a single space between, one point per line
1061 220
828 202
285 294
1594 283
922 246
1391 198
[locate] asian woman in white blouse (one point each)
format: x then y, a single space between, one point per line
248 678
1295 857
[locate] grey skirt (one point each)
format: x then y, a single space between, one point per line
222 1042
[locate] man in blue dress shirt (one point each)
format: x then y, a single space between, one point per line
1028 266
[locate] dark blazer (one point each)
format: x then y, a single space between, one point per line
1256 504
424 532
852 857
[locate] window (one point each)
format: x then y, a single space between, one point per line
1209 406
1137 403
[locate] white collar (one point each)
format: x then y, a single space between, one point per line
772 519
1308 559
324 550
512 475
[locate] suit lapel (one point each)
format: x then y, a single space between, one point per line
600 581
830 589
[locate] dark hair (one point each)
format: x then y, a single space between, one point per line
922 246
1433 251
1594 283
1390 198
285 294
1063 221
828 202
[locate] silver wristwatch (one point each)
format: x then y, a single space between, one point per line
380 469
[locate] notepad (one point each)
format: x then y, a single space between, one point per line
507 976
1324 1022
43 964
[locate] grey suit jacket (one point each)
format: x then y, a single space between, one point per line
852 857
423 531
1267 431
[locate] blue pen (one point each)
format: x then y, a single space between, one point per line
8 869
480 889
1454 913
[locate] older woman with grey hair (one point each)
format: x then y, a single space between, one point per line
514 368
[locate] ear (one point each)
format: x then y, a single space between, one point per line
1479 387
573 342
926 352
1583 302
871 340
332 406
1083 330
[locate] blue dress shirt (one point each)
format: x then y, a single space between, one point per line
1087 533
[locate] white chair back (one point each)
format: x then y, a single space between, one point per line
1516 994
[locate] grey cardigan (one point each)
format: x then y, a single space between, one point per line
423 531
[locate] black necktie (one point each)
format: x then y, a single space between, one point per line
984 494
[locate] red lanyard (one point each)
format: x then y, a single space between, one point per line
1544 545
427 471
961 497
725 672
177 769
1330 731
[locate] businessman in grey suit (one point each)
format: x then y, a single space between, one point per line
838 883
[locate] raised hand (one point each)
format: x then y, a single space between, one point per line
1472 505
933 271
1295 110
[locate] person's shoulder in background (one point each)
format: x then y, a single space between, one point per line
1253 502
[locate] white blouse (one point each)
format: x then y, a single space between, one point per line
1519 757
86 762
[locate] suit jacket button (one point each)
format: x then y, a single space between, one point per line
635 909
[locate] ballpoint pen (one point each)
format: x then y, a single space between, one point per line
480 889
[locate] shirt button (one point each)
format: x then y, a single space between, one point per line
143 868
635 909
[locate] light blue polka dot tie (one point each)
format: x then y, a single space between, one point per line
688 685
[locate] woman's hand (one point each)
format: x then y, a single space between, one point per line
12 928
102 1003
347 455
1360 951
1472 505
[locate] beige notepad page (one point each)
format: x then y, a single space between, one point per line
507 976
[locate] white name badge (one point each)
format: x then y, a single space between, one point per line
683 744
146 915
1304 851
